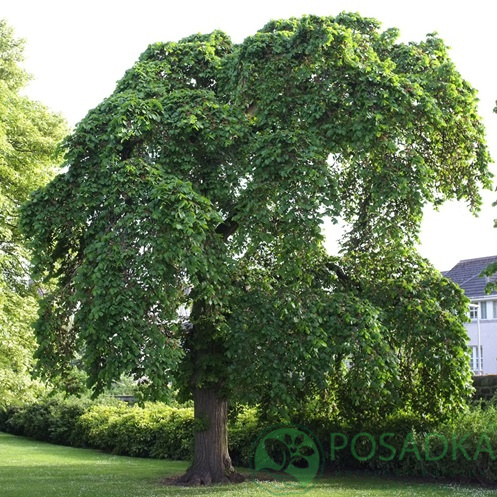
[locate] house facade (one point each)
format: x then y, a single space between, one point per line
482 328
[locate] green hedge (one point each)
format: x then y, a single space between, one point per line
161 431
156 430
51 420
463 449
471 447
153 431
485 387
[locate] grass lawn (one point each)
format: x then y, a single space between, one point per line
36 469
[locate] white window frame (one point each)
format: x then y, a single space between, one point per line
475 366
473 312
483 310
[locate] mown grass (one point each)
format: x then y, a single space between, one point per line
36 469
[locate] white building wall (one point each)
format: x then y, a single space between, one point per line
488 335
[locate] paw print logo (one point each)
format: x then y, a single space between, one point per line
287 459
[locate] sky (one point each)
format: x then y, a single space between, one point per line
78 50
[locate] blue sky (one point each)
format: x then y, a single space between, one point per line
77 50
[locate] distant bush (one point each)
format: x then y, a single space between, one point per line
155 430
463 449
472 447
485 387
244 429
52 420
5 414
174 438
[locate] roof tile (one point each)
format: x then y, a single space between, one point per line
466 274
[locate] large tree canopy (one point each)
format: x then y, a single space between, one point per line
202 183
29 134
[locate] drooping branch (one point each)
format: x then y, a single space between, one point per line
227 228
344 278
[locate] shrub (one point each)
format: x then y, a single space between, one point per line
471 447
5 414
462 449
97 423
174 438
155 430
51 420
244 429
161 431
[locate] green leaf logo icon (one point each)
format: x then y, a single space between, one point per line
287 459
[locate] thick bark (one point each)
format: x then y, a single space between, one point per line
211 460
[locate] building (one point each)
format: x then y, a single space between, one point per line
482 328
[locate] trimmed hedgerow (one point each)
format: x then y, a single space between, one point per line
468 443
155 430
464 448
53 420
244 430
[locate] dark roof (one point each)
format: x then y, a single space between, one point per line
467 275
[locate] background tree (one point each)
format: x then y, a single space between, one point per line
491 269
203 181
29 134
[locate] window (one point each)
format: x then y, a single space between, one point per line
483 307
473 311
494 305
476 359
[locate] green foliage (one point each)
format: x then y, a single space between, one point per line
164 432
17 344
470 441
463 448
421 314
152 431
466 431
202 182
29 134
51 420
43 470
244 429
174 437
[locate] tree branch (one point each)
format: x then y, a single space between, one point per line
227 228
344 278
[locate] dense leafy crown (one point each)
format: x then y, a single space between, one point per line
203 181
29 134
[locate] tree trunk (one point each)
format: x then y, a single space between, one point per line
211 460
